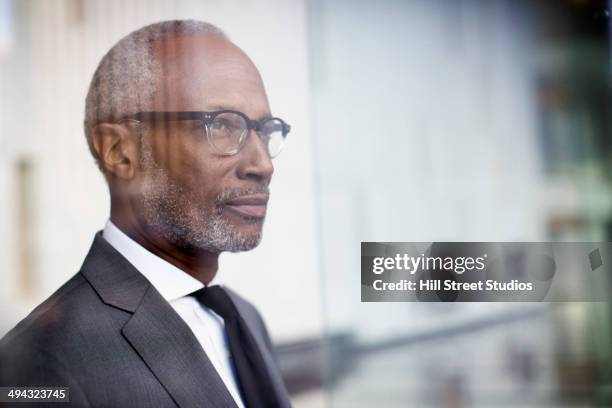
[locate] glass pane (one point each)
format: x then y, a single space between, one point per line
460 121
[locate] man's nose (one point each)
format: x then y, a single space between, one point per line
255 161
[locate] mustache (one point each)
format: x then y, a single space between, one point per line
234 193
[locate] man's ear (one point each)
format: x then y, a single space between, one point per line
117 148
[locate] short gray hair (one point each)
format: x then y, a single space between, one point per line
128 75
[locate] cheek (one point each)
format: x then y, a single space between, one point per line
200 175
191 164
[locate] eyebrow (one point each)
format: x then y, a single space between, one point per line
226 107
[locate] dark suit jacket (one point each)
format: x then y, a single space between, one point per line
116 342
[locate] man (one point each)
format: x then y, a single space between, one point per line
178 121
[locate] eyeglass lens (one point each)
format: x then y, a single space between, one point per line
228 131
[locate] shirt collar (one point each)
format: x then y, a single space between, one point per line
171 282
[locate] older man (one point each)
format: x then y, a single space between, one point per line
178 121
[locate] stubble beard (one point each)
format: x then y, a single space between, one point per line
172 213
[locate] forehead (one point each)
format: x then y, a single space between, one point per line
202 71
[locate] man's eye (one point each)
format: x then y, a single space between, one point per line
219 125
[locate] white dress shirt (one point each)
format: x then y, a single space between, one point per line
175 286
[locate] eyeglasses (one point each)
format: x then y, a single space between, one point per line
227 130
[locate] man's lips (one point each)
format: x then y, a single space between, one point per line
253 206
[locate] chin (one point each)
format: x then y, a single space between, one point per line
226 232
239 235
251 234
245 243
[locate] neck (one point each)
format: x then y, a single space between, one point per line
200 264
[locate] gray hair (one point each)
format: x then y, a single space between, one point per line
128 75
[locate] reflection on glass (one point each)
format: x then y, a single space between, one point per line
495 128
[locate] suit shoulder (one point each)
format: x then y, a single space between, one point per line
51 314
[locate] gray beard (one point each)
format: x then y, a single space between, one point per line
169 211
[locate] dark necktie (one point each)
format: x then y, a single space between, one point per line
253 377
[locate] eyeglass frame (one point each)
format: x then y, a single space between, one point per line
207 119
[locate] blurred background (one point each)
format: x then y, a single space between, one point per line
414 120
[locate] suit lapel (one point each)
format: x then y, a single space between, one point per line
174 355
155 331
